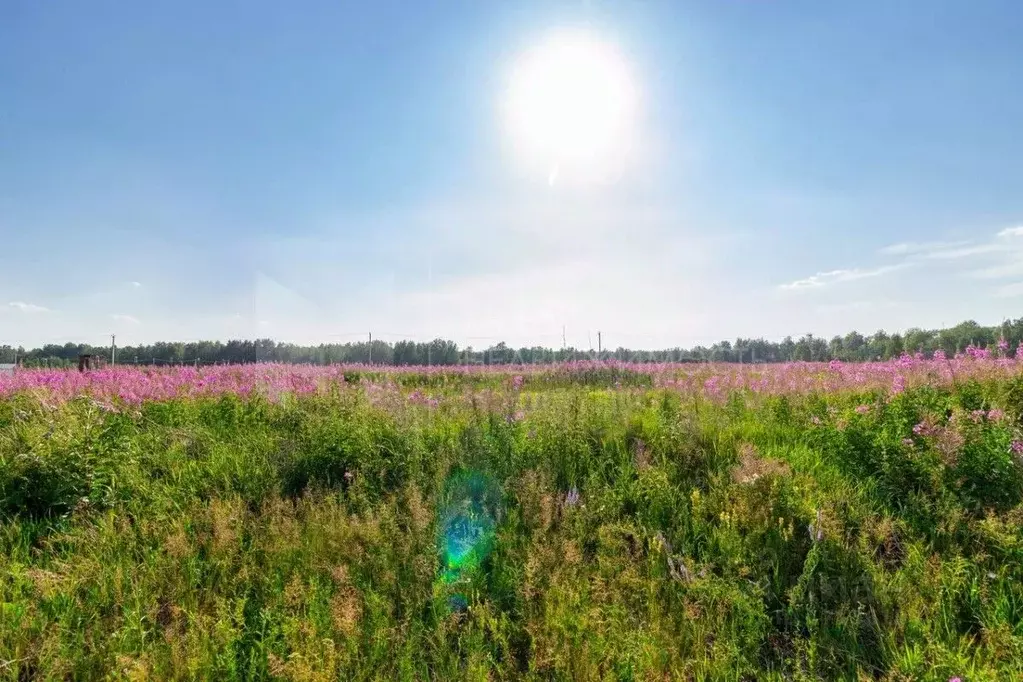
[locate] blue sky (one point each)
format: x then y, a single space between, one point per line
178 170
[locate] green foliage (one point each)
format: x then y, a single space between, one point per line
625 534
853 347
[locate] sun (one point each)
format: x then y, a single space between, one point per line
570 108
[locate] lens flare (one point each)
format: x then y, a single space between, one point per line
467 523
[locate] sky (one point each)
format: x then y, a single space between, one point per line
188 170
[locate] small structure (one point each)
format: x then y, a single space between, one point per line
89 361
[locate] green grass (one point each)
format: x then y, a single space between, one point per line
763 538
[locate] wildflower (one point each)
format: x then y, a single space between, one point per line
924 428
1016 447
954 679
1003 345
517 382
995 415
572 498
939 355
862 409
815 419
907 442
978 416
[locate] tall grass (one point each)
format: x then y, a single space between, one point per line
534 529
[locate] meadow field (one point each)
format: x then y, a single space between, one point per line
573 522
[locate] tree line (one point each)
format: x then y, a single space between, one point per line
853 347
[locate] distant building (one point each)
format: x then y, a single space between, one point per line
7 367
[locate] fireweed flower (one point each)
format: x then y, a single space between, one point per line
1016 447
924 428
120 387
862 409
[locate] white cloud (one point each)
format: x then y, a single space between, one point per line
834 276
28 307
912 248
121 317
1012 232
999 256
962 252
135 284
952 250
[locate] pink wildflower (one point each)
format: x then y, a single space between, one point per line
862 409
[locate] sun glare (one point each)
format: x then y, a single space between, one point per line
570 108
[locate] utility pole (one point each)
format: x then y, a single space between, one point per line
113 349
370 348
599 347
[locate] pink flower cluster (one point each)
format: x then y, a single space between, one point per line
123 384
128 385
993 415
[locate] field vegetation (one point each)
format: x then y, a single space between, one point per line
584 521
